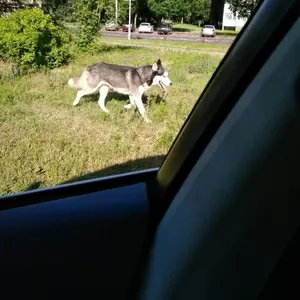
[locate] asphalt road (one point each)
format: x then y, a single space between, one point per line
176 36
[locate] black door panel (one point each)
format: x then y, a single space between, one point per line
83 246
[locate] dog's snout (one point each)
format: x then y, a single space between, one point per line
171 82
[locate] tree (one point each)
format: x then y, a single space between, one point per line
198 12
169 9
140 9
66 11
86 14
193 11
244 8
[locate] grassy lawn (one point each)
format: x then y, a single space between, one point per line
206 47
196 29
46 141
227 32
186 28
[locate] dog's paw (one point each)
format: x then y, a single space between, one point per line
75 103
147 120
104 109
128 106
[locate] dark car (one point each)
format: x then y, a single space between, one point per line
164 29
126 26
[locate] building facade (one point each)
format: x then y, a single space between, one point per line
232 21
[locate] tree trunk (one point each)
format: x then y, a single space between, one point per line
181 20
135 19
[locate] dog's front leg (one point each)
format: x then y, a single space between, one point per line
141 108
132 103
80 94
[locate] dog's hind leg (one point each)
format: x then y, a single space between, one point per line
103 93
132 102
80 94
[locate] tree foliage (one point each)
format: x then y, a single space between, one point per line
66 11
198 11
244 8
191 11
86 14
89 13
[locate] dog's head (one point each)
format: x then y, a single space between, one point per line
161 77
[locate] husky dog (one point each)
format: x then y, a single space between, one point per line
133 81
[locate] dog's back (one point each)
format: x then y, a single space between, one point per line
114 76
118 76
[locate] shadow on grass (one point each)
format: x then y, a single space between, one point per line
182 30
104 48
129 166
120 97
33 186
228 33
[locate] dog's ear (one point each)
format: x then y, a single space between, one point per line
155 66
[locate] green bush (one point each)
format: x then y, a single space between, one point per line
30 39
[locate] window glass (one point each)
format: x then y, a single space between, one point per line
55 58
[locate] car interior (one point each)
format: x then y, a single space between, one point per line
218 220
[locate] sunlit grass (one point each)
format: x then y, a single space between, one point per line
46 141
169 44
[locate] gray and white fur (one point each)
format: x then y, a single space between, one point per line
133 81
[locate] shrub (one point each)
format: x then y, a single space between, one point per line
30 39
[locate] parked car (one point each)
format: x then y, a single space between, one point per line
145 27
126 26
164 29
208 30
111 26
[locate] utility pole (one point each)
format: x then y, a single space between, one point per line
129 20
116 10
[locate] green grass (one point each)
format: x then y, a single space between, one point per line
184 45
186 28
46 141
196 29
227 32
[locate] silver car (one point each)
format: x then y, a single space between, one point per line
111 26
208 30
145 28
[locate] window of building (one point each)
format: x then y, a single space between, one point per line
229 16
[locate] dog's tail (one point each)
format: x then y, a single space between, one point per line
73 83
